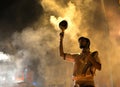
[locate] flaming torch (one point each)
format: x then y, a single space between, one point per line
63 25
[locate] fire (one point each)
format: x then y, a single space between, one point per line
70 14
19 77
4 57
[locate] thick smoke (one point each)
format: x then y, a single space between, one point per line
112 15
32 37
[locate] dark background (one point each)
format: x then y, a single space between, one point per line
15 15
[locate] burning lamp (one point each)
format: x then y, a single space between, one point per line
63 25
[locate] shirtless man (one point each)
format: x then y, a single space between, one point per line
85 63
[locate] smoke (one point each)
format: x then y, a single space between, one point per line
32 37
37 48
88 18
112 15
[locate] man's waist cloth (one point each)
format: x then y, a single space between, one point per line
83 78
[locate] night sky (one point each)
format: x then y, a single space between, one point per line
15 15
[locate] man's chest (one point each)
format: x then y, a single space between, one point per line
82 59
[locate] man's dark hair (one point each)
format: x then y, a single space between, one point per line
87 40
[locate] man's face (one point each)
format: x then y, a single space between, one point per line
82 43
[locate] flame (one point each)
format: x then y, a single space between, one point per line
70 14
4 57
19 77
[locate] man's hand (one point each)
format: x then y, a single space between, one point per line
61 35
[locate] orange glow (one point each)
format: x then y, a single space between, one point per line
19 78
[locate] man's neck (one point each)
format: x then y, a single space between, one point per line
86 50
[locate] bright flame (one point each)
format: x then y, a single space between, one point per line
4 57
70 14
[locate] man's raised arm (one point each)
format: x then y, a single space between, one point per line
62 54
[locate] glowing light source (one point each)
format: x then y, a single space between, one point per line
4 57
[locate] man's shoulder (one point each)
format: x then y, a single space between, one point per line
75 54
94 53
95 56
